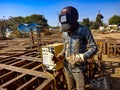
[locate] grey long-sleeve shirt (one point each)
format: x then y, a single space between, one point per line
81 42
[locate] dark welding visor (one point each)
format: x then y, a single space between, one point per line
64 18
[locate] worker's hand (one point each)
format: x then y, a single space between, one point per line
73 59
55 59
80 56
60 56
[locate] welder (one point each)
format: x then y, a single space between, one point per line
79 45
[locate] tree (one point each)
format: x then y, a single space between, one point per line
13 22
114 20
39 19
27 19
2 29
19 19
86 22
99 19
94 25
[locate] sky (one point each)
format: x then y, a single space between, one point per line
50 8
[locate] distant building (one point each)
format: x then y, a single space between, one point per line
101 28
24 28
113 26
8 32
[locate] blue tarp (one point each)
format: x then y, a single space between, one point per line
24 28
33 25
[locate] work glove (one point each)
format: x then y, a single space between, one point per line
55 59
58 58
73 59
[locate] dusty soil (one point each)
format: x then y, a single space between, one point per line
107 36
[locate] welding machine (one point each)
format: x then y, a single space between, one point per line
48 52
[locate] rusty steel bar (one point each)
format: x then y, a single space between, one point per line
20 66
26 71
29 58
113 49
20 63
5 76
12 80
27 84
25 66
11 61
46 85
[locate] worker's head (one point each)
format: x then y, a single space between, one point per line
68 18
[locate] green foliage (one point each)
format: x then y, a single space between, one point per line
2 29
94 25
114 20
86 22
27 19
39 19
99 19
55 27
18 34
18 20
13 23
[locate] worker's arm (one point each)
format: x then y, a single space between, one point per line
92 47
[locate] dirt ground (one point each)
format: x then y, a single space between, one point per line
107 36
21 43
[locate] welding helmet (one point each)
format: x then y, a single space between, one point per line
68 18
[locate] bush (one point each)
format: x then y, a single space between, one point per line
18 34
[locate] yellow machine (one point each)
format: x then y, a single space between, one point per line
48 52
